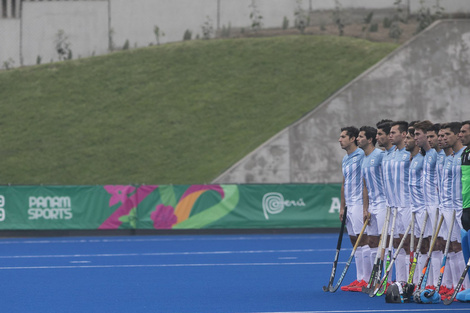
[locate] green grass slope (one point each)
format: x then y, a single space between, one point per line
178 113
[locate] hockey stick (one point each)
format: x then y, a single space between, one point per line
444 260
418 250
338 248
459 284
412 243
389 256
424 274
379 258
380 288
333 289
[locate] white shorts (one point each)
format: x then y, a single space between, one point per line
377 220
455 235
419 222
390 223
355 219
433 213
403 220
458 217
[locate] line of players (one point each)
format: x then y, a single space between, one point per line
418 170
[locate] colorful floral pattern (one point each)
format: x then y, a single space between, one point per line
163 217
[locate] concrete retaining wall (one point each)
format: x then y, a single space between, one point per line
427 78
84 23
9 42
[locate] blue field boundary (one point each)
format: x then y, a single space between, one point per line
204 273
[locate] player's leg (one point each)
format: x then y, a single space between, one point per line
438 251
354 223
401 264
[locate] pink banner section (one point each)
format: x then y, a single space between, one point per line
121 194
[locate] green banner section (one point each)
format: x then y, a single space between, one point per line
169 206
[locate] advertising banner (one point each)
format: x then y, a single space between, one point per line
170 206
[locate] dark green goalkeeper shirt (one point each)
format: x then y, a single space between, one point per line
466 178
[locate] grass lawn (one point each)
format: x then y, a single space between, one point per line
177 113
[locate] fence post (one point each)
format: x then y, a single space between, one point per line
218 14
20 10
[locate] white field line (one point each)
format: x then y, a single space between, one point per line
443 309
162 253
171 238
46 267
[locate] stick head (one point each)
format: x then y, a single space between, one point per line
399 292
393 294
430 296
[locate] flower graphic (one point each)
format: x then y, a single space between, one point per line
129 198
130 219
118 193
163 217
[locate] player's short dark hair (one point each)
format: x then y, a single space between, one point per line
383 121
466 122
370 133
424 125
453 126
412 123
411 130
402 126
384 125
351 131
435 128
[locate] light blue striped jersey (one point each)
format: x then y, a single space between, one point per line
446 183
387 175
372 173
400 178
353 186
441 156
430 179
457 180
416 183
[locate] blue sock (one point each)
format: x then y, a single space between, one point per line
465 244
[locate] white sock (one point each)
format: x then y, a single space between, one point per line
447 278
367 264
454 268
400 266
436 260
373 255
407 266
358 259
430 278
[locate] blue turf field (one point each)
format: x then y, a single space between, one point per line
223 273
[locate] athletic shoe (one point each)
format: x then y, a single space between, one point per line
346 288
358 287
443 290
450 292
